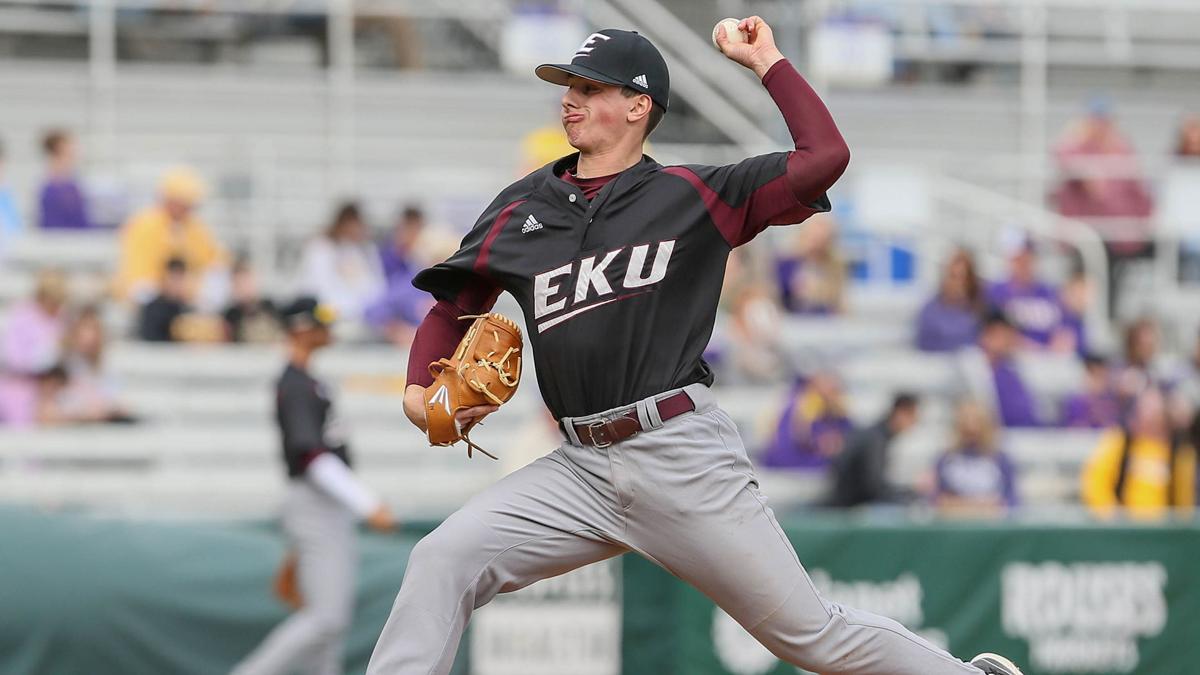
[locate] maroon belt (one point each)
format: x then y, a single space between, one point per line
605 431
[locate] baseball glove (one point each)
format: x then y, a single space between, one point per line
484 370
286 584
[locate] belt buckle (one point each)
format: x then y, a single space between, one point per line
592 427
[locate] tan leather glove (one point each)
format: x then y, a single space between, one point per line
484 370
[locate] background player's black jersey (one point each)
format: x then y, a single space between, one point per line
308 423
620 293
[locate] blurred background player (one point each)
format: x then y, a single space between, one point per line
324 500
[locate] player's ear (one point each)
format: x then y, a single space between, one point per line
639 107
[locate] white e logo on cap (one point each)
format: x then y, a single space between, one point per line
588 44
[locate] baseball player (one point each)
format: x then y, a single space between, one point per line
617 263
324 501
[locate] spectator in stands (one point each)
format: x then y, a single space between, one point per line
994 374
950 320
63 203
159 316
1142 467
1101 180
249 317
31 345
1188 145
813 426
1098 406
1075 298
396 315
170 230
342 268
1140 367
10 216
91 393
860 472
1032 306
975 476
755 353
812 280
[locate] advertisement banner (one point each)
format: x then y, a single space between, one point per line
1059 600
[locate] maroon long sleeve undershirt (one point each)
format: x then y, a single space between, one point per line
821 154
436 337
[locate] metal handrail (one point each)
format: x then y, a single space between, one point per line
1044 224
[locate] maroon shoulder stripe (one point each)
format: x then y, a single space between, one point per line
497 225
728 219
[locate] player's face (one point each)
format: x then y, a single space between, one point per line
595 115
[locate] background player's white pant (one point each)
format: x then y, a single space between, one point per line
683 495
322 532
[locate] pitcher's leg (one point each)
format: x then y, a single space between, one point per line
538 522
727 543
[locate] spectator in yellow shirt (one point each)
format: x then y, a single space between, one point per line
1144 468
169 230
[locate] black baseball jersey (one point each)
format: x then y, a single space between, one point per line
308 423
619 293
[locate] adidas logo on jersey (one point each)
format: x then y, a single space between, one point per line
530 225
640 80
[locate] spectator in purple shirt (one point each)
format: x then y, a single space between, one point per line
950 320
396 315
1076 297
813 279
63 205
998 342
975 477
1097 406
1032 306
813 427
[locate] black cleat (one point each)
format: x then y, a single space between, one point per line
994 664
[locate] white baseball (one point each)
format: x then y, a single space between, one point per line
731 31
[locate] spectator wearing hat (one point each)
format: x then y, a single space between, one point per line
31 345
63 203
169 230
1102 184
1032 306
993 375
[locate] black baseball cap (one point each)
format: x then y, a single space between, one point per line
305 313
619 57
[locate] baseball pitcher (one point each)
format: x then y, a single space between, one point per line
617 263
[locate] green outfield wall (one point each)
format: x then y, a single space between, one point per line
101 596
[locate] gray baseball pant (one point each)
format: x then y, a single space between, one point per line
684 495
323 534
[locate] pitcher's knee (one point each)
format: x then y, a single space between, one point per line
449 560
834 646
